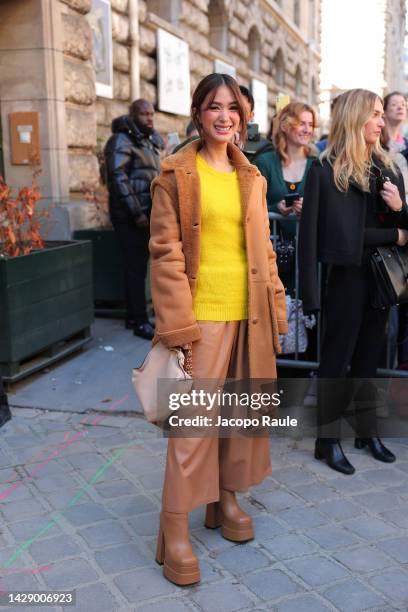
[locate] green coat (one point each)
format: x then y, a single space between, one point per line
270 166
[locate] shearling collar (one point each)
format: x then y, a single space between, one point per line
186 158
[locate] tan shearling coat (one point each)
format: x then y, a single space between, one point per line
175 257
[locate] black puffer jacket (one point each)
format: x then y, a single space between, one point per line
132 161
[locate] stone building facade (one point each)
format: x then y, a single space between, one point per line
47 66
394 58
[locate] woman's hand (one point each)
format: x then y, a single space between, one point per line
283 209
402 237
391 196
297 206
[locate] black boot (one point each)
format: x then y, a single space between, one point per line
330 450
5 414
377 449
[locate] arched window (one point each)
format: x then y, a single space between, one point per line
255 48
298 83
279 68
218 18
166 9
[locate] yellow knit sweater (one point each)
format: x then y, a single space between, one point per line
222 289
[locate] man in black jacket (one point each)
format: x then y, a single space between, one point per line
255 144
132 158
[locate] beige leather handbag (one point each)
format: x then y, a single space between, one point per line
162 370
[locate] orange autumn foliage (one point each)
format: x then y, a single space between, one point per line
20 219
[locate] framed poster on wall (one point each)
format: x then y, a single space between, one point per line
224 68
259 90
173 67
100 20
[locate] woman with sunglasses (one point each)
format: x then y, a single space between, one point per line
354 200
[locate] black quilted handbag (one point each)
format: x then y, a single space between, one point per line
285 255
389 266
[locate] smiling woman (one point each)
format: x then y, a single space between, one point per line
219 110
286 168
210 251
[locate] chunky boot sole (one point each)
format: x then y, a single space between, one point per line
180 575
229 530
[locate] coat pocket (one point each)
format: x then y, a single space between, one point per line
275 328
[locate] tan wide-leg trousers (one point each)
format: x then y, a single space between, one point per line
197 468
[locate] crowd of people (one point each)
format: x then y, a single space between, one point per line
216 286
218 294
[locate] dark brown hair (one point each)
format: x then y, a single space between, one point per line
210 84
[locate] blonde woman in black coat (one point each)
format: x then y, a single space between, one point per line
345 215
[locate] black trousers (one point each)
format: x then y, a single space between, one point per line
353 335
134 243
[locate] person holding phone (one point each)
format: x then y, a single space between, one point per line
354 201
286 167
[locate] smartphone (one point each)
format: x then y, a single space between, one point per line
290 198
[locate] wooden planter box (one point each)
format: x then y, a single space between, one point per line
46 306
108 271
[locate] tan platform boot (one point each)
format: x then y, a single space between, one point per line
236 525
174 550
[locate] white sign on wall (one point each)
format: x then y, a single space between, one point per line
100 20
224 68
259 90
173 74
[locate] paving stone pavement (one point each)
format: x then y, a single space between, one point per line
79 506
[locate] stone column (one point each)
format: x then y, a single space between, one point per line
31 68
